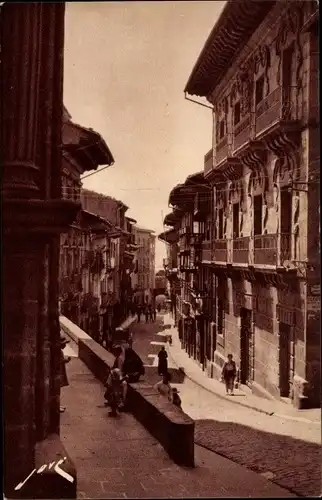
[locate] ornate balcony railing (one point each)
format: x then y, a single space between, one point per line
241 250
209 161
206 251
242 132
222 149
265 249
279 105
220 253
268 111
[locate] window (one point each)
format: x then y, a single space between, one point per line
220 316
287 66
259 90
258 213
235 220
221 129
237 113
220 224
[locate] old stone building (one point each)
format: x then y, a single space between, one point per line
122 244
144 278
83 150
261 264
264 170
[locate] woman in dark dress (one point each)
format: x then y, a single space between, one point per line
163 361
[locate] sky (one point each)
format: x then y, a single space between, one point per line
126 66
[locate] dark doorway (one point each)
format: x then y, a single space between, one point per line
245 344
285 346
286 223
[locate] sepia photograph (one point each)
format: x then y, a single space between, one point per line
161 273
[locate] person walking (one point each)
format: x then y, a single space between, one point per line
139 312
146 313
163 361
150 308
229 372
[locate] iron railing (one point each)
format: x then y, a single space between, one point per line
206 251
241 250
265 249
220 253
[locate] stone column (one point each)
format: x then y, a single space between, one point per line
33 215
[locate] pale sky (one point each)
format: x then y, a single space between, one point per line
126 66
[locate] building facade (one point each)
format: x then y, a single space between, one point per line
144 277
122 246
80 274
260 269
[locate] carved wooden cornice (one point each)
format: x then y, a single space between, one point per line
284 141
255 155
235 26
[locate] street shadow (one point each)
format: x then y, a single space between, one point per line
292 463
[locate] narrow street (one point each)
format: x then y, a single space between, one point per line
287 452
118 458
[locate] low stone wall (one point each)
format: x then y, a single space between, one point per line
167 423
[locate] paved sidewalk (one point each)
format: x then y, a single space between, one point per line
117 458
270 407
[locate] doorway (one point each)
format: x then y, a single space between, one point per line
285 348
245 346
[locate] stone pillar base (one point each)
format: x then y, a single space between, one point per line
55 474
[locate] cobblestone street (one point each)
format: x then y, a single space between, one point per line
288 452
118 458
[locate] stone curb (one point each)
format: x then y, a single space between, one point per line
232 400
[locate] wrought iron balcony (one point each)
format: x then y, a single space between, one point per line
265 249
241 250
220 253
209 162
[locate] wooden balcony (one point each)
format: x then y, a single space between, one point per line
220 253
209 162
242 132
278 106
265 249
241 250
206 251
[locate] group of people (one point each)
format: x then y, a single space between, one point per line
148 310
128 367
